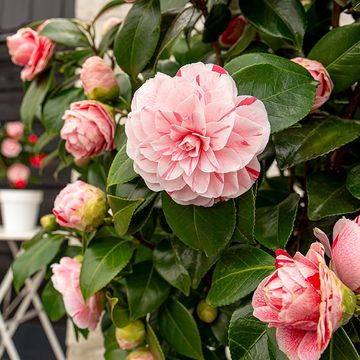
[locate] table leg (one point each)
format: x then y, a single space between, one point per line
8 343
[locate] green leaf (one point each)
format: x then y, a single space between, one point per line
53 302
280 18
118 311
178 328
65 32
168 264
153 342
353 181
290 93
328 196
146 290
137 38
112 349
108 6
55 106
35 258
342 62
247 336
297 145
238 272
216 22
103 260
207 229
274 351
274 224
340 347
34 97
246 38
122 169
245 218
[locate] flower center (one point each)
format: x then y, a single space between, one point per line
190 142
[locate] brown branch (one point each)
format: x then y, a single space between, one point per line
143 242
335 14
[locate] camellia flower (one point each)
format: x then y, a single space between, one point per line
27 48
320 74
88 129
32 138
109 24
10 148
14 129
80 206
98 79
233 31
131 335
18 175
66 280
192 136
36 160
345 251
140 354
305 301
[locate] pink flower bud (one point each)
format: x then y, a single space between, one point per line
14 129
345 251
320 74
66 280
10 148
305 301
109 24
18 175
140 354
98 79
233 31
131 335
88 130
80 206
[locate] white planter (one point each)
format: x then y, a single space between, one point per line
20 209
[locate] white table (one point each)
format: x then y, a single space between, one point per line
22 302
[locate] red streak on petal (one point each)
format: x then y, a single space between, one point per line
219 69
248 101
253 172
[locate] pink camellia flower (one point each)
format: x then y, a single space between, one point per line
66 280
10 148
109 24
98 79
320 74
140 354
80 206
192 136
18 175
14 129
88 129
27 48
305 301
233 31
345 251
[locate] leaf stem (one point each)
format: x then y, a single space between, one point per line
142 241
335 14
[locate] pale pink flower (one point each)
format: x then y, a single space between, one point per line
18 175
305 301
233 31
10 148
27 48
98 79
192 136
14 129
109 24
345 251
320 74
66 280
88 129
80 206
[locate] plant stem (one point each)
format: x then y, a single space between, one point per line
335 14
143 242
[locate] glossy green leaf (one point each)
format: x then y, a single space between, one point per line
137 38
274 351
238 272
153 343
329 196
297 145
342 62
65 32
35 258
353 181
207 229
247 336
53 302
118 311
169 265
280 18
286 89
216 22
146 290
55 106
103 260
245 218
178 328
274 224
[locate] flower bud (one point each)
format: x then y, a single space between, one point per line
14 129
48 222
18 175
98 79
140 354
131 335
233 32
79 258
10 148
206 312
109 24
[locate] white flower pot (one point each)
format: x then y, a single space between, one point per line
20 209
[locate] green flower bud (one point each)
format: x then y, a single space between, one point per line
140 354
131 335
206 312
48 222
